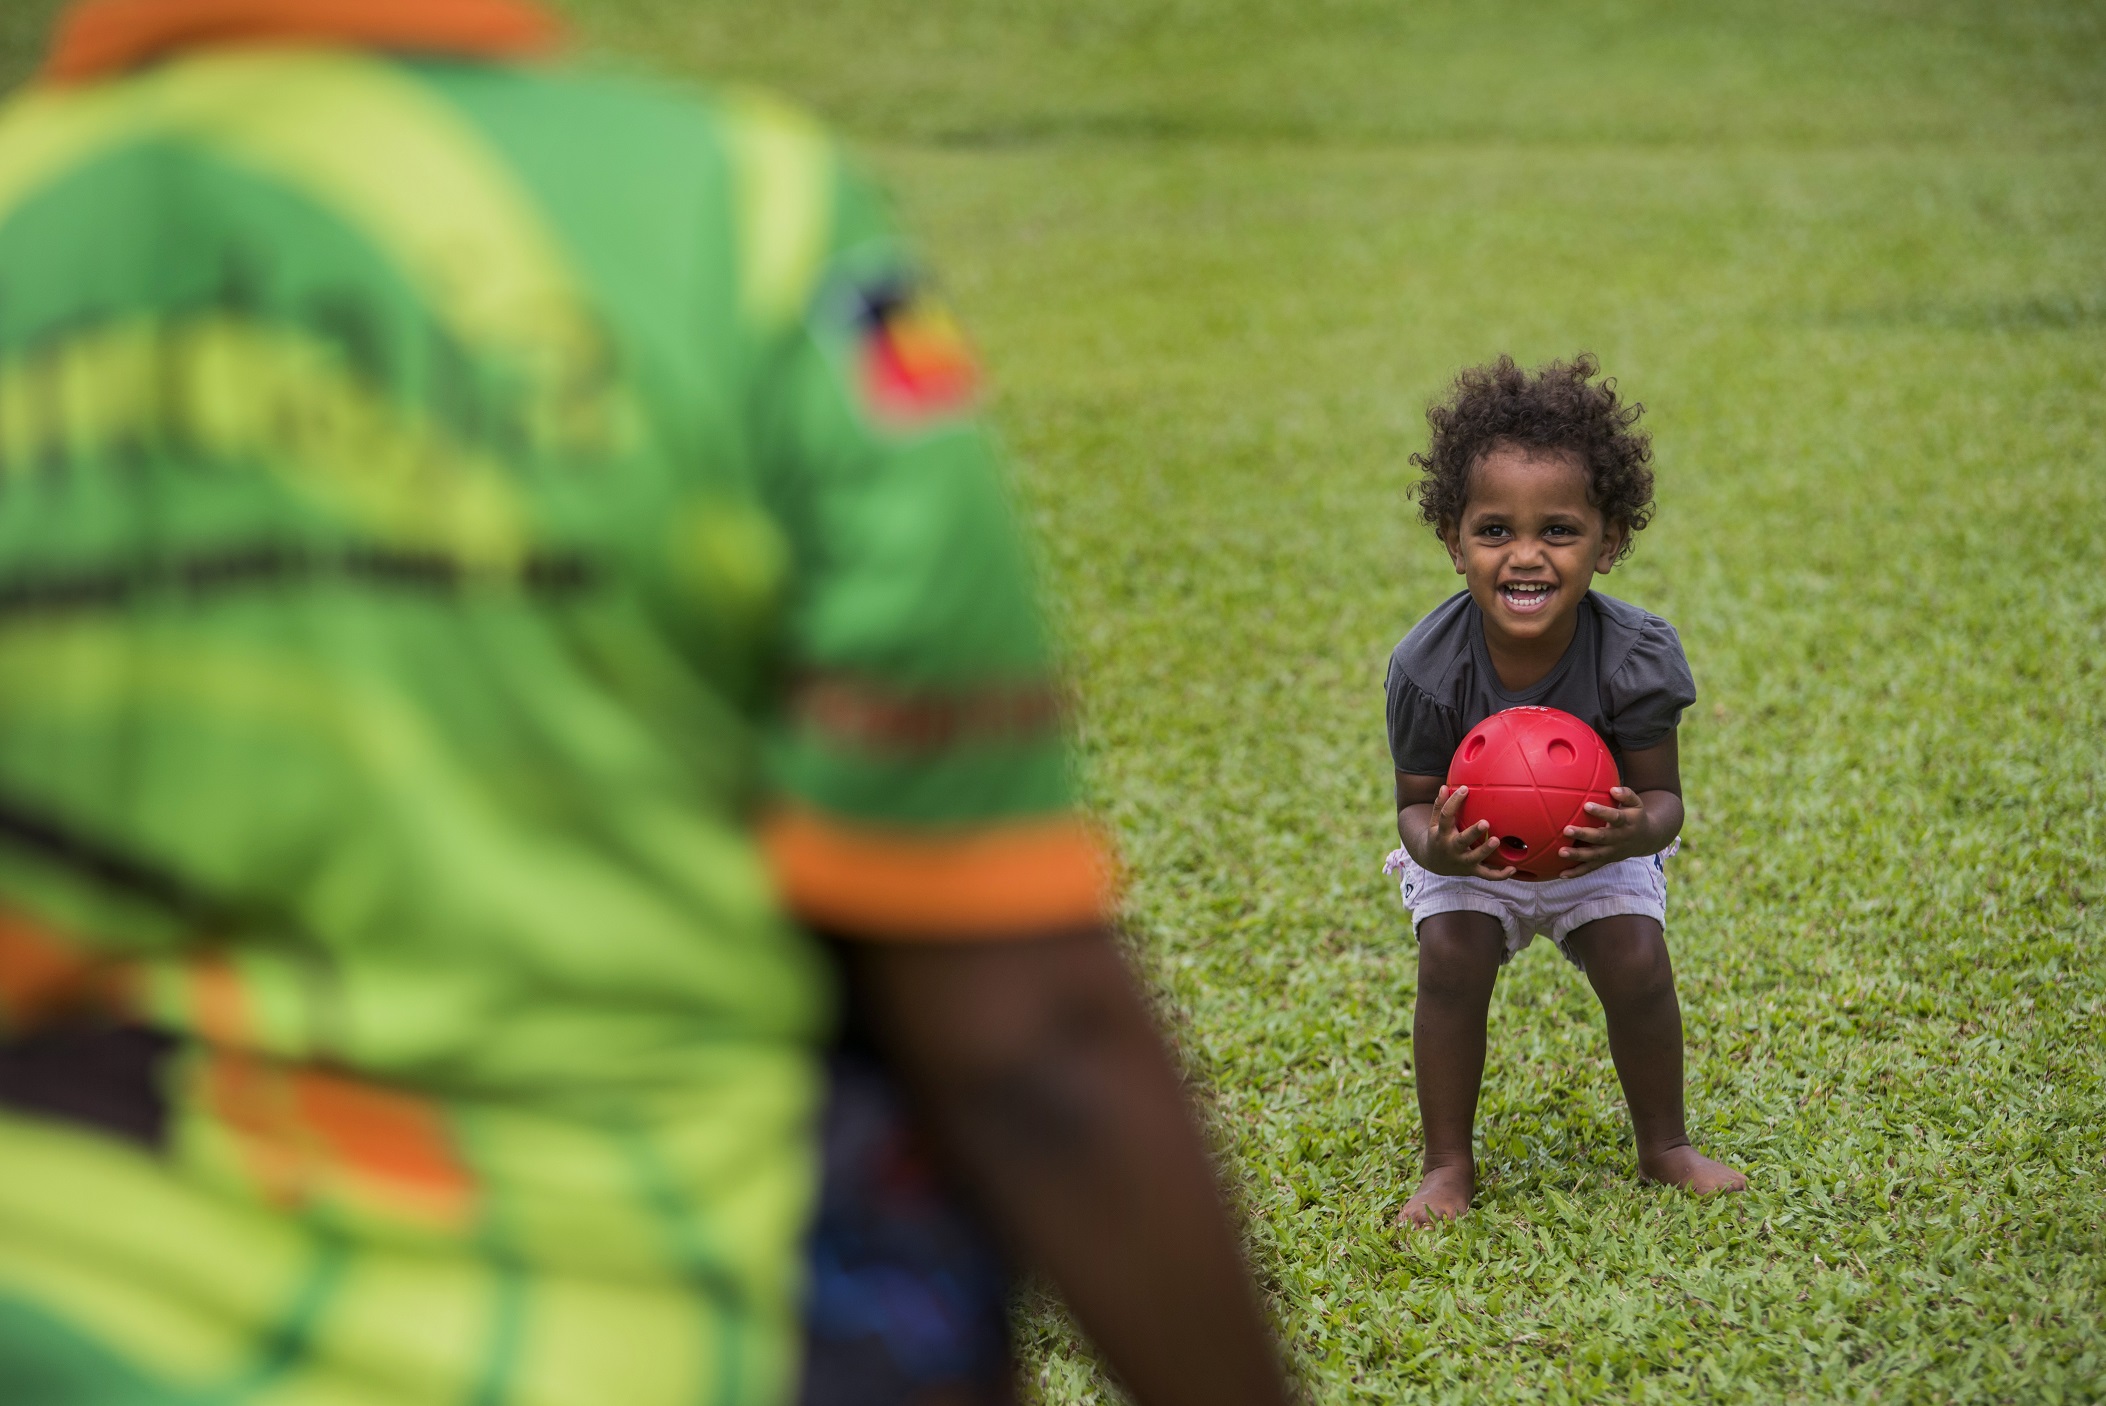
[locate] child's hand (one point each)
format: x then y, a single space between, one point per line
1457 852
1623 834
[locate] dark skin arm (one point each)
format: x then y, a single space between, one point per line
1646 817
1043 1078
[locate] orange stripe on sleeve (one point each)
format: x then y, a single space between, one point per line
1008 880
98 38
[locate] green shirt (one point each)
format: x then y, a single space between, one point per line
458 523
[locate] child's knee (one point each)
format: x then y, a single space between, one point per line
1627 958
1459 954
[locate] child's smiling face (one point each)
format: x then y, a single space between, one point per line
1530 544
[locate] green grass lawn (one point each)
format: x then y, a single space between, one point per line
1853 258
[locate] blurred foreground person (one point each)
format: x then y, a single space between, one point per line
491 562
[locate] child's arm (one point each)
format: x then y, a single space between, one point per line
1427 821
1645 819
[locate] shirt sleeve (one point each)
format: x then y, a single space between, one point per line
920 767
1647 693
1423 734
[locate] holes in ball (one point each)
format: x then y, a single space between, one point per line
1561 751
1513 845
1473 749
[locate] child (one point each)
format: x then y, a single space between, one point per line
1536 484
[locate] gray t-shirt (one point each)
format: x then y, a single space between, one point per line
1624 675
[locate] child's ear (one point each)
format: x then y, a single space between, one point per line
1612 544
1451 538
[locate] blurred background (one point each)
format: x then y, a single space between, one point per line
1218 255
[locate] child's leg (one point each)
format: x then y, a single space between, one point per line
1459 957
1626 960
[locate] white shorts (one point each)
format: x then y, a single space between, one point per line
1552 908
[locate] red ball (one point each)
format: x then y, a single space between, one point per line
1531 772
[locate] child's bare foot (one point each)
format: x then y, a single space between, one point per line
1691 1170
1444 1193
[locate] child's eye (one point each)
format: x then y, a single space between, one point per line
1492 530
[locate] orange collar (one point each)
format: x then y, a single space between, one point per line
102 38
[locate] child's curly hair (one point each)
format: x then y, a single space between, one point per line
1559 407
